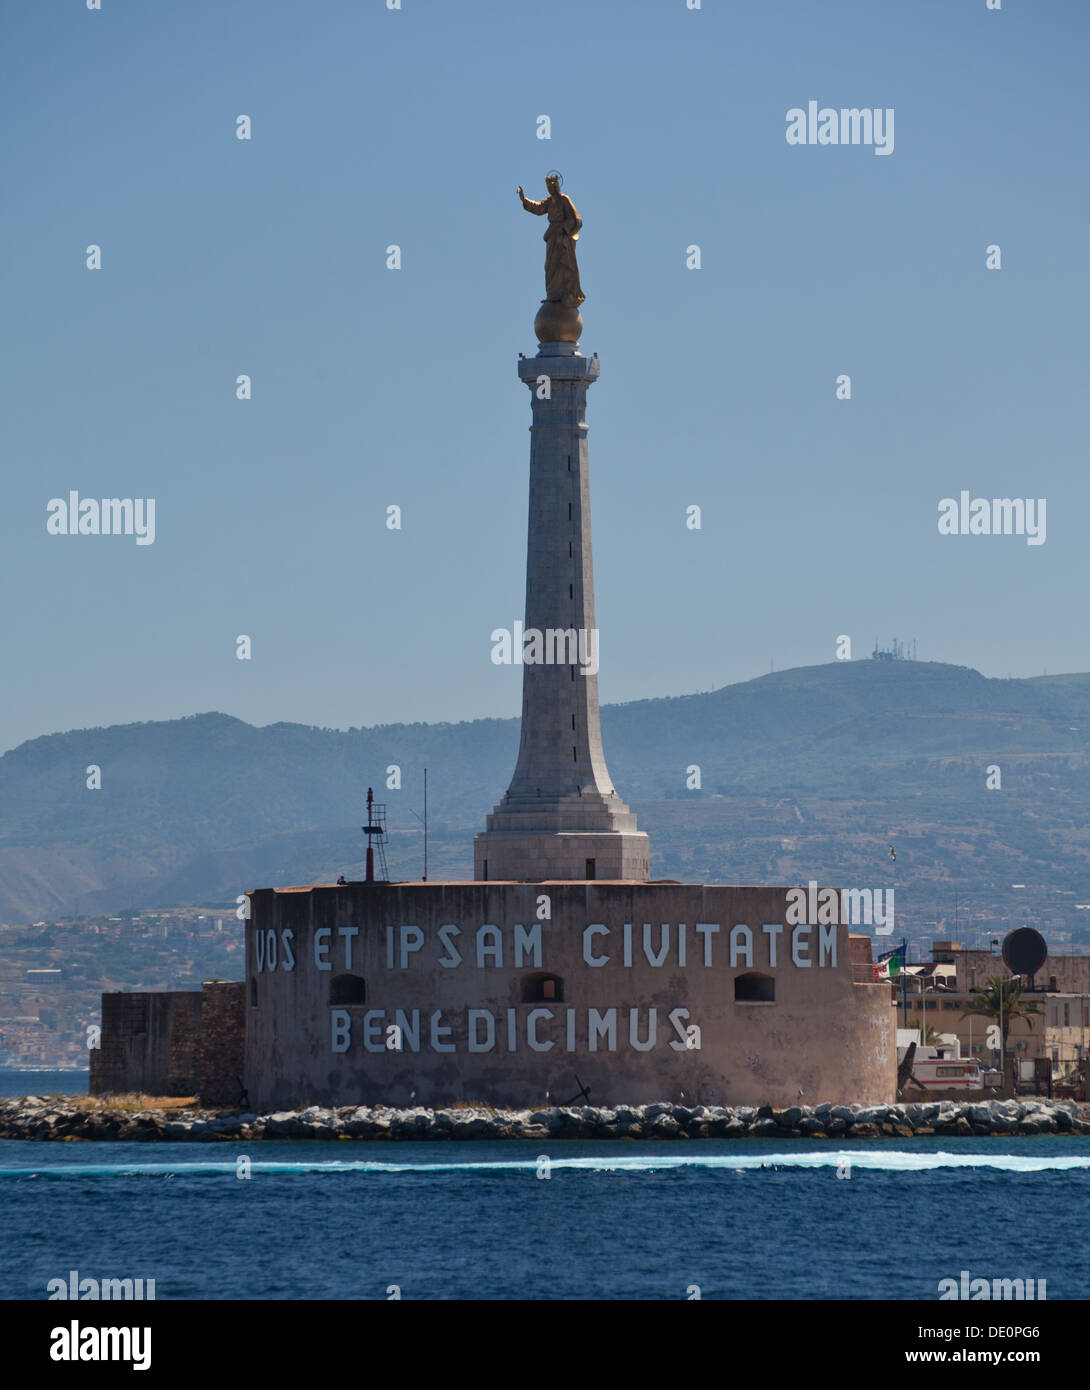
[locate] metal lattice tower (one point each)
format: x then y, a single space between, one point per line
375 830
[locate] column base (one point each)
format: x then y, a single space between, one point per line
533 858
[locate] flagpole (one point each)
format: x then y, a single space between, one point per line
904 985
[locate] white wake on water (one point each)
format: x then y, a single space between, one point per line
882 1161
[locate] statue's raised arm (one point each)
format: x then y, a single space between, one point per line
536 208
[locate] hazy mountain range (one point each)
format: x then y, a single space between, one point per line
808 773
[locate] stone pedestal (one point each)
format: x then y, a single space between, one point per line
561 817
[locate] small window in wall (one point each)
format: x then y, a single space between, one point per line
592 865
542 989
347 989
753 988
253 991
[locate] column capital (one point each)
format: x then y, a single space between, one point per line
575 368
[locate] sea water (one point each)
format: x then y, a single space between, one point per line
39 1081
711 1219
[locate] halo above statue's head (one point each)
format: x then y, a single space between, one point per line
555 174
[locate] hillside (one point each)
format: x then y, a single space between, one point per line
807 773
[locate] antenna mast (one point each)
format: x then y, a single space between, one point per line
375 830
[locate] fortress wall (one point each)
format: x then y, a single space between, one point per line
446 968
148 1044
222 1045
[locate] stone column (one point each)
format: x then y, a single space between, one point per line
561 817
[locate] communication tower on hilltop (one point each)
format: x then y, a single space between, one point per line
375 830
894 652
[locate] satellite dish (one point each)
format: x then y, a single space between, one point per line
1024 951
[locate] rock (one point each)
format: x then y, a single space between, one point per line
660 1107
765 1127
789 1118
468 1124
962 1125
574 1126
843 1112
835 1126
282 1124
718 1122
226 1125
408 1125
865 1129
665 1127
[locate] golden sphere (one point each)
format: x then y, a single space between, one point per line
555 324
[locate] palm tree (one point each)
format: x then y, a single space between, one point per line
1001 999
927 1033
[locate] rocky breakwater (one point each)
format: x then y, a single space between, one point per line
57 1118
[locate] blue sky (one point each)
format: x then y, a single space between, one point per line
374 387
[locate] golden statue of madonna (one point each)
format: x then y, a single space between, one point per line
558 319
